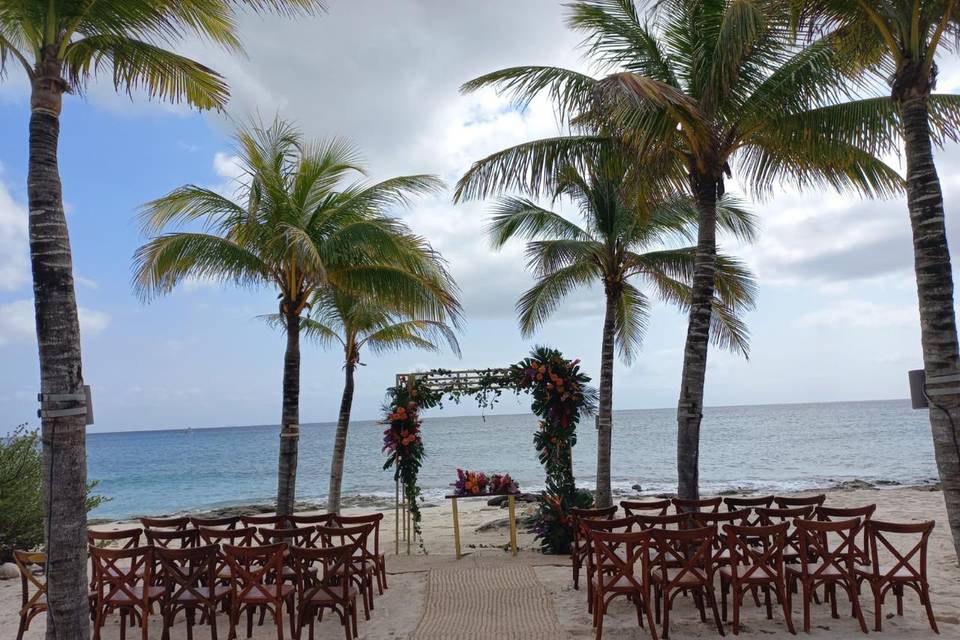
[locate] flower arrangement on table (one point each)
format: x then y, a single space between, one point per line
473 483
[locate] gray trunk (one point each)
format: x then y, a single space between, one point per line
340 442
290 420
58 340
690 406
938 326
604 497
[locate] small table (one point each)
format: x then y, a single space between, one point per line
511 508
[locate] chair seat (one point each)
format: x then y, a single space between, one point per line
748 573
813 567
122 597
259 593
220 591
621 584
902 573
321 598
692 577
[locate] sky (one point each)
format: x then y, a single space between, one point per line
836 317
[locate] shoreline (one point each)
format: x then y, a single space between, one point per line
379 502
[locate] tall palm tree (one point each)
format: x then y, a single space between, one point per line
355 323
900 42
61 45
702 90
623 241
294 225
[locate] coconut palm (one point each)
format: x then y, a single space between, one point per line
900 41
701 90
625 246
296 225
355 323
61 46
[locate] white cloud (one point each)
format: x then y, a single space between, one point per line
17 322
860 314
14 246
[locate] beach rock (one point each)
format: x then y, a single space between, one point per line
504 523
637 487
501 501
850 485
9 571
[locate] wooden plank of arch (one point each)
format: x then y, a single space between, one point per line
511 510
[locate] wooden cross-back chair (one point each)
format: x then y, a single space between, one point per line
637 507
122 538
721 553
123 581
590 526
324 581
625 558
738 503
254 585
173 538
791 553
364 571
222 522
190 584
790 502
684 562
33 590
220 537
371 554
710 505
581 544
861 554
756 560
827 558
899 568
179 523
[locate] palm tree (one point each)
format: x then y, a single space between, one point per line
295 226
61 45
900 41
623 241
355 322
701 90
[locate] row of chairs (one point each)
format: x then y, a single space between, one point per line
779 551
303 564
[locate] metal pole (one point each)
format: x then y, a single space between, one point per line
396 519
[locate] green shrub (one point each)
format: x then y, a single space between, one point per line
21 492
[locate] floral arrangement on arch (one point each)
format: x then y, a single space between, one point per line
472 483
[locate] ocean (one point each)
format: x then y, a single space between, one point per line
767 448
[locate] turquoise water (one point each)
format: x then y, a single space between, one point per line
769 447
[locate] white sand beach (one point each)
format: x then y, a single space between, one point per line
400 610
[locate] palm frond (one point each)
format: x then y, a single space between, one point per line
633 316
539 302
569 91
523 218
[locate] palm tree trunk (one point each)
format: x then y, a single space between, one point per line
604 497
290 420
58 339
340 442
690 406
938 325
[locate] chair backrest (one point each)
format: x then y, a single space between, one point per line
179 523
598 513
828 544
635 507
666 521
756 551
124 538
690 551
224 522
117 573
236 537
26 562
619 554
303 519
711 505
293 536
265 520
333 567
188 572
718 520
173 538
737 503
886 538
773 516
861 552
609 525
353 521
789 502
340 536
255 571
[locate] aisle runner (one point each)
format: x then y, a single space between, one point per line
491 602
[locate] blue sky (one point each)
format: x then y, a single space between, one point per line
836 318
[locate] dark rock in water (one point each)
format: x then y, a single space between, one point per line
849 485
501 501
887 483
729 492
637 487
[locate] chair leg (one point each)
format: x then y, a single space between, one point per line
855 596
278 619
807 597
737 603
712 601
250 621
22 628
599 610
650 620
123 624
898 591
767 602
724 588
877 606
831 593
212 620
785 603
666 613
925 594
576 569
698 600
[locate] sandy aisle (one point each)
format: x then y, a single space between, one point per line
398 610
